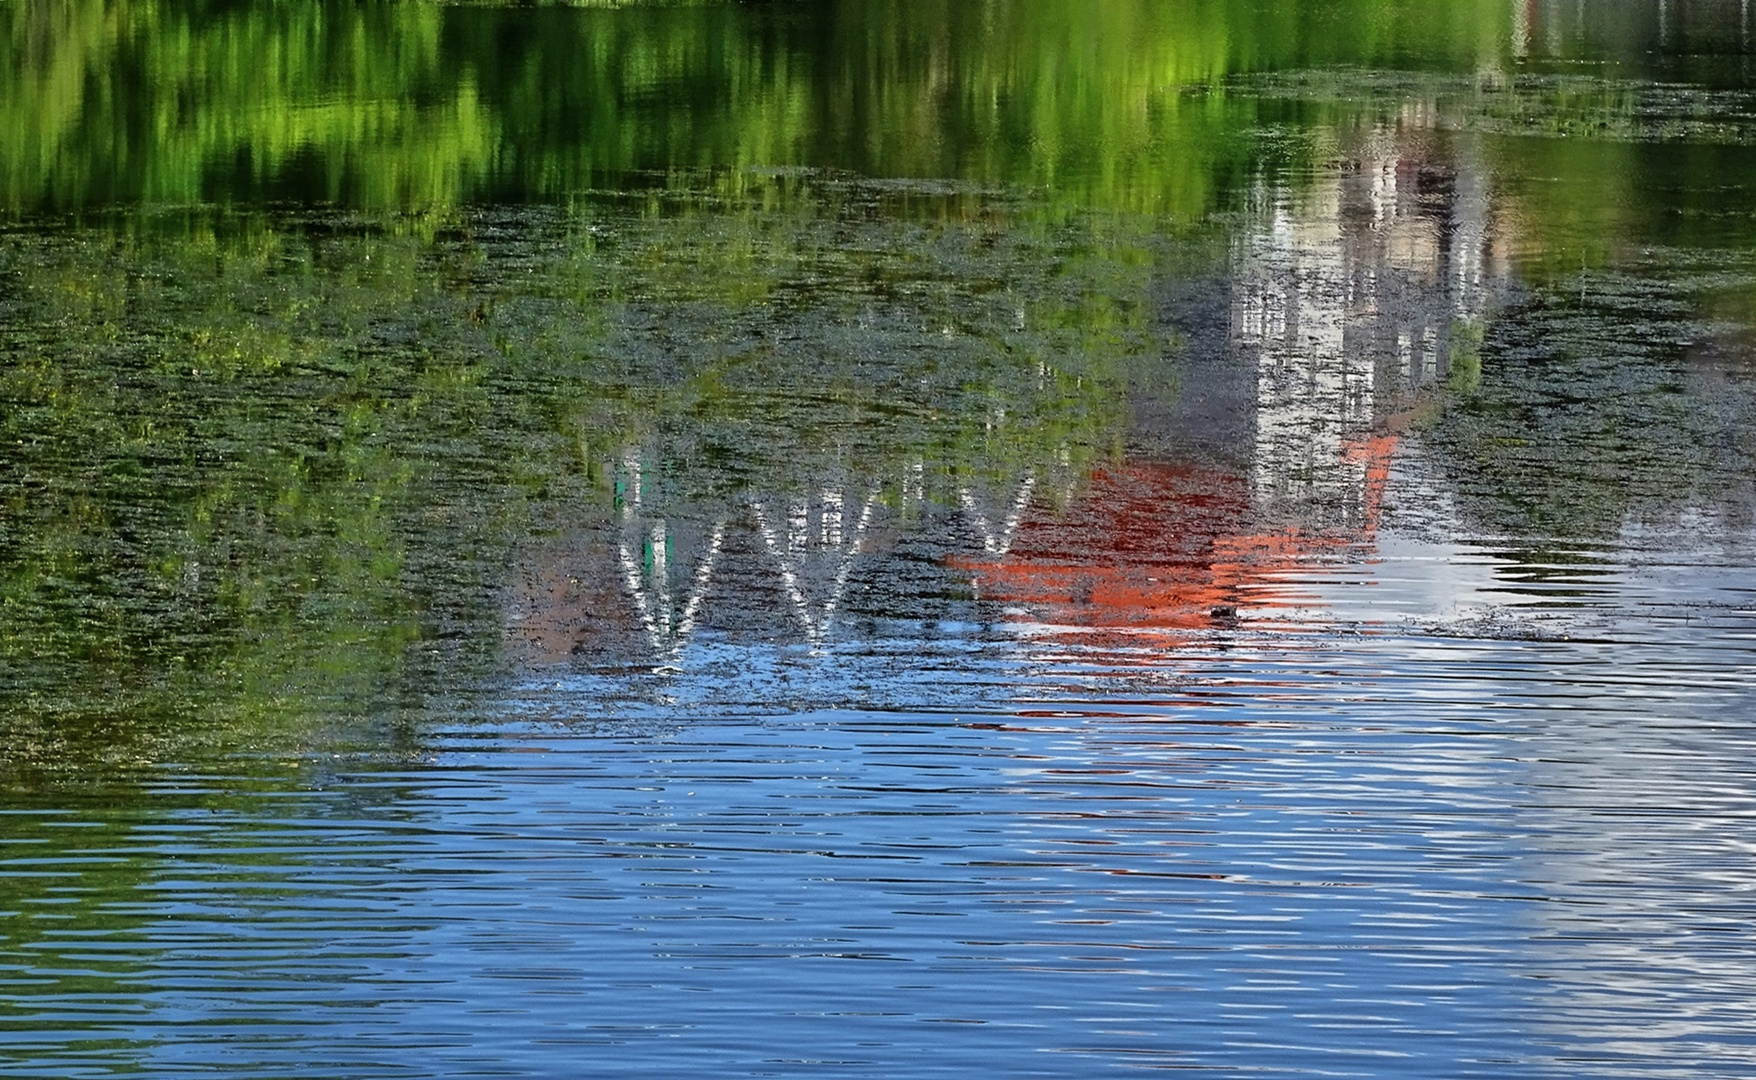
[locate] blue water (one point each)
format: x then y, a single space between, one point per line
1385 852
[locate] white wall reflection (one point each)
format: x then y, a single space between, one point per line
1350 293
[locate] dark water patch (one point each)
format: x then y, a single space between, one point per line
1605 108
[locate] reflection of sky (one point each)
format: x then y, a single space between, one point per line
1440 821
1383 854
873 895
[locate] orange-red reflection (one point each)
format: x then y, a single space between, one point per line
1165 550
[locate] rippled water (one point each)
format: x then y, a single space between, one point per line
895 539
1384 853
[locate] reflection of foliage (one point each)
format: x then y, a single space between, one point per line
85 878
1570 202
394 105
1586 416
1463 364
1588 204
262 472
167 101
1586 170
849 330
208 445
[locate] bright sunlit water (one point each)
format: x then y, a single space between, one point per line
884 539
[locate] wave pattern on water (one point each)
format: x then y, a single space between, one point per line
1282 854
977 542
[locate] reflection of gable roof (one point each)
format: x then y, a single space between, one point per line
1156 546
1147 545
635 589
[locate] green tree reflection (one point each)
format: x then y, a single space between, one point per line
270 475
398 105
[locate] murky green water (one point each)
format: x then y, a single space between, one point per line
881 539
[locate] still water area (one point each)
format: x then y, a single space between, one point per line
909 538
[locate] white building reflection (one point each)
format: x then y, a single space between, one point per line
1350 293
1630 29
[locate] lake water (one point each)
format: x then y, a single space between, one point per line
890 539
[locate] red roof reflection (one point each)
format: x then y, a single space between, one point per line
1159 547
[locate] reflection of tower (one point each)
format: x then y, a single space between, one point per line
1346 295
1290 309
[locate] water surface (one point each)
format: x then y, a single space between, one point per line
875 539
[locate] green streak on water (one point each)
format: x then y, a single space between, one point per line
415 105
